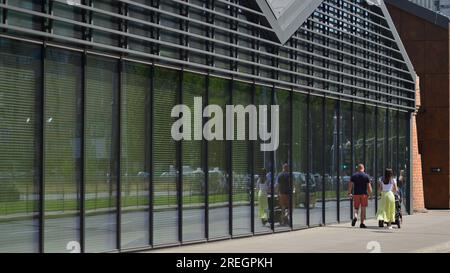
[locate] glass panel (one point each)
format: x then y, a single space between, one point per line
381 145
370 156
358 131
263 164
20 69
63 133
105 21
241 166
138 28
169 22
165 215
403 174
316 181
219 182
331 134
193 171
345 160
300 160
24 20
393 141
283 182
100 154
135 156
68 12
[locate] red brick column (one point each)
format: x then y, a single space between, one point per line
417 183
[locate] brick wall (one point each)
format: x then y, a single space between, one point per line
428 47
417 185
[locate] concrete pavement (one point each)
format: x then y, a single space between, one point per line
423 232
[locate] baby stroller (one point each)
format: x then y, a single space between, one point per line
398 211
279 215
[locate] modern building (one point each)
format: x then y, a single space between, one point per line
440 6
429 4
86 92
426 38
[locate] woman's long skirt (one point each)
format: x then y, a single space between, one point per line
263 205
386 207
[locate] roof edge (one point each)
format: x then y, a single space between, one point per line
397 38
419 11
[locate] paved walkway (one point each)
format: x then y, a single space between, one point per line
422 232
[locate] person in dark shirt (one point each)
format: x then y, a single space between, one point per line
284 188
359 188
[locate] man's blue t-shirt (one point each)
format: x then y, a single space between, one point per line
360 181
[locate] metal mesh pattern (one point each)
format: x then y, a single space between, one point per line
345 49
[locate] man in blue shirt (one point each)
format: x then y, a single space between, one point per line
359 188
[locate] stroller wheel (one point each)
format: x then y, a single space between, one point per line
381 223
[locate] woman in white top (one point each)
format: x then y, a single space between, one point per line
262 186
386 207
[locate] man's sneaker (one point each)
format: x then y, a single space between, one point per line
354 221
362 226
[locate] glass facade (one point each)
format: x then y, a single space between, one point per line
86 150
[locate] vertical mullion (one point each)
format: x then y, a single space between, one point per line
352 148
251 159
82 153
205 161
41 137
117 154
338 161
123 25
364 135
179 154
40 157
387 160
375 190
308 158
397 140
388 152
272 173
89 18
149 149
230 167
5 13
291 165
324 123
